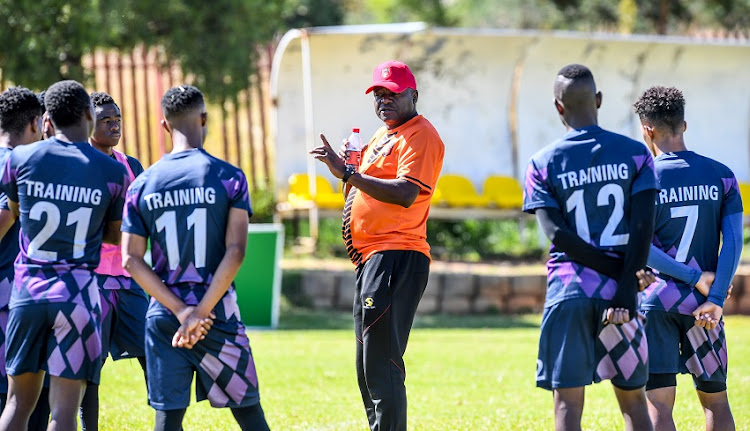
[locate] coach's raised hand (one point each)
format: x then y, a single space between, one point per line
328 155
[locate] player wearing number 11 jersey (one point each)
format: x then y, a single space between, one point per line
70 198
195 209
593 194
699 203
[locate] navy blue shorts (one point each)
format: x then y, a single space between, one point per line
123 318
60 338
222 363
678 346
3 374
577 349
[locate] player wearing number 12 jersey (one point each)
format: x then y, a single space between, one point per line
699 203
70 198
593 193
195 209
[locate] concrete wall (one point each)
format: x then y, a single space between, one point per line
489 93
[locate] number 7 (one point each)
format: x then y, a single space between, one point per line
691 212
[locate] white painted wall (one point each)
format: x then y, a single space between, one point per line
465 82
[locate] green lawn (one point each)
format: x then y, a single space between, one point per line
472 373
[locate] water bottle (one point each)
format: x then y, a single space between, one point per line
354 149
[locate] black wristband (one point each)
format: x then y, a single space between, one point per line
348 172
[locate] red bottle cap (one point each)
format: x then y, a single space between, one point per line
355 130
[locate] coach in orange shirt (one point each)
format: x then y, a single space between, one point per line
384 228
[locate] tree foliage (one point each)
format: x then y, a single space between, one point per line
213 41
45 40
638 16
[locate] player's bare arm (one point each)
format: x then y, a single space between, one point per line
7 219
112 233
641 230
236 243
393 191
704 283
133 250
14 208
564 238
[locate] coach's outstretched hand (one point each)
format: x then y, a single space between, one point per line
327 155
192 328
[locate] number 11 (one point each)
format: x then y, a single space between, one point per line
196 220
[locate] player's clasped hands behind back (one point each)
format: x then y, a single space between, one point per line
193 328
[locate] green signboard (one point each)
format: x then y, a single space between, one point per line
258 281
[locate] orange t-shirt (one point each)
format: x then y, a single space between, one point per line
413 152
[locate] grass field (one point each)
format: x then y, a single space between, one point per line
473 373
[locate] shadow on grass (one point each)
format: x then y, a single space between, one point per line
301 319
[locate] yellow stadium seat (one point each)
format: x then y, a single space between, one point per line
745 195
325 195
503 192
457 191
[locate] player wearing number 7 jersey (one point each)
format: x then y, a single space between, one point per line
70 198
593 194
195 209
698 204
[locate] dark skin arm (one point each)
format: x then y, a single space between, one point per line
565 239
235 240
8 217
133 250
641 228
395 191
111 234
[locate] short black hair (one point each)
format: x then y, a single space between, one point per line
18 107
180 100
576 72
664 107
100 98
66 102
40 96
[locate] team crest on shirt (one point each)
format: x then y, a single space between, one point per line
369 304
386 72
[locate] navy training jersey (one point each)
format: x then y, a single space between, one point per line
696 193
589 175
182 203
8 245
66 193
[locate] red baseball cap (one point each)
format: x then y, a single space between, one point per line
393 75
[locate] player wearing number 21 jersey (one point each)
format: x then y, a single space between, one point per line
69 196
66 192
